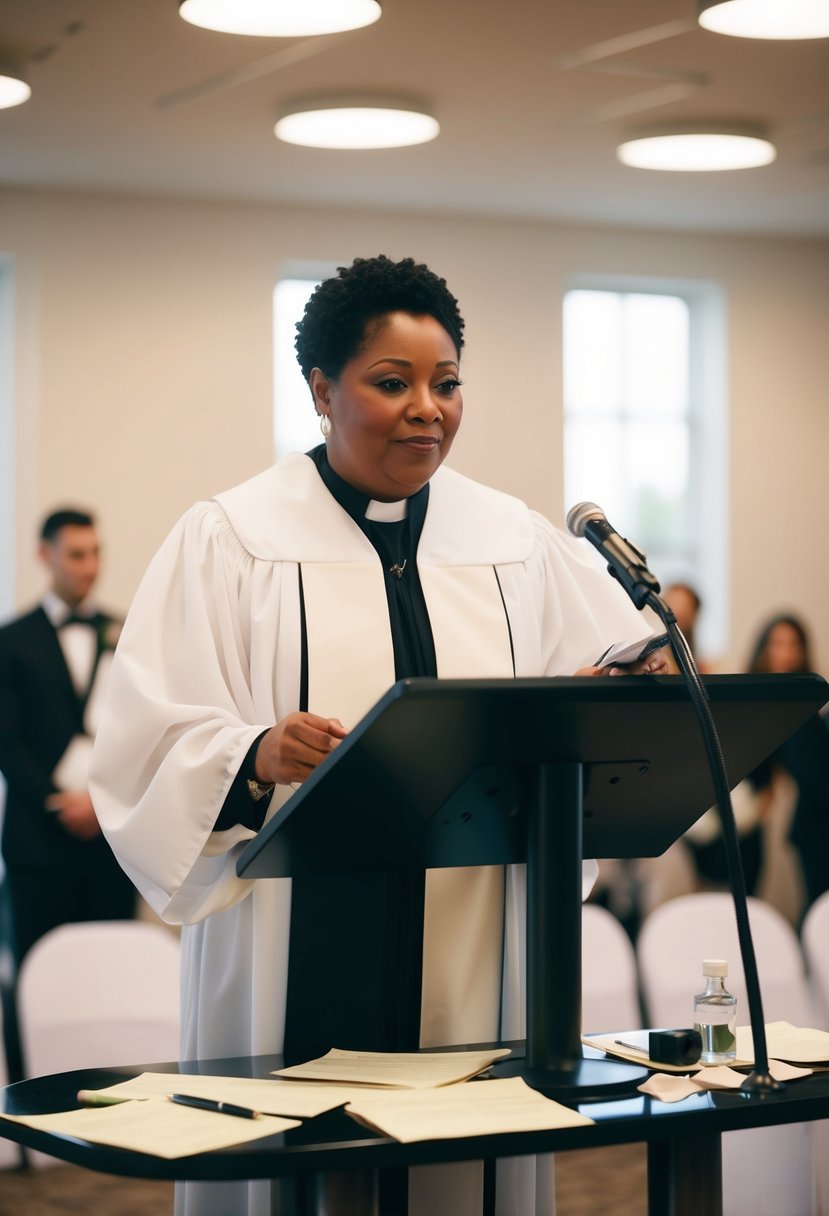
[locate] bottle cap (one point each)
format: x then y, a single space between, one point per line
714 966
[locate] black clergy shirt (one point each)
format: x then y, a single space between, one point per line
354 974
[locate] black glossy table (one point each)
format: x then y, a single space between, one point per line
331 1162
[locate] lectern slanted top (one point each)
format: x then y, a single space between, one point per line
435 773
547 771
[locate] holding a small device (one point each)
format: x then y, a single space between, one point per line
623 653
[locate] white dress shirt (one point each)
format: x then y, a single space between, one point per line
78 642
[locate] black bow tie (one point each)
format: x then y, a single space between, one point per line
75 619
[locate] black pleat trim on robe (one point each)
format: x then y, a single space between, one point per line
356 943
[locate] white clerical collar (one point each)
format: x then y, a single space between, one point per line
58 610
466 523
387 512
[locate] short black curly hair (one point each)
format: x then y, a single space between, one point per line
337 318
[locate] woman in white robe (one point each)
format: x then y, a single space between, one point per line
272 597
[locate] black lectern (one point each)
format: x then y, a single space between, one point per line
547 771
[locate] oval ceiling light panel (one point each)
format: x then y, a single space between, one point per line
766 18
280 18
696 151
354 124
13 88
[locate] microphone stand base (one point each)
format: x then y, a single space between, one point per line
760 1085
587 1080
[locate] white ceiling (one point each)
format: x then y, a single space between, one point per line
529 125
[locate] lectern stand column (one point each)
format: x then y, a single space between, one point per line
555 1062
554 894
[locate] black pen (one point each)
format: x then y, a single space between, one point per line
631 1047
219 1108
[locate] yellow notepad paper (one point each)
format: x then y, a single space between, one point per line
398 1070
271 1097
156 1127
479 1108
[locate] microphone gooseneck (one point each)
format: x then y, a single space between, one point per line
760 1082
627 564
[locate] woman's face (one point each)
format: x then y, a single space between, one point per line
784 650
394 409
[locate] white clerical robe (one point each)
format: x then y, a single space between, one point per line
210 657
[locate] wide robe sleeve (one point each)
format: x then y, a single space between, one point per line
183 707
565 608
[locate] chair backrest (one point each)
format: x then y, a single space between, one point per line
769 1170
815 938
678 935
610 999
97 994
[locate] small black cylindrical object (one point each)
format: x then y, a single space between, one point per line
675 1046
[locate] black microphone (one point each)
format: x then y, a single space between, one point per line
624 560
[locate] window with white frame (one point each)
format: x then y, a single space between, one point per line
295 423
645 428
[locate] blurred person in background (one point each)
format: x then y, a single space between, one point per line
54 662
783 648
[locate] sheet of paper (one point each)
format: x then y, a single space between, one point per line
784 1041
674 1088
781 1071
639 1038
719 1076
400 1069
271 1097
669 1088
156 1127
479 1108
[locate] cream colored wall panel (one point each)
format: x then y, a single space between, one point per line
144 365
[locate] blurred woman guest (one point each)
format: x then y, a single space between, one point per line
782 647
270 621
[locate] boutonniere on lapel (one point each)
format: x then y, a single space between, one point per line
108 634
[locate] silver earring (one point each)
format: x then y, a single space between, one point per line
325 425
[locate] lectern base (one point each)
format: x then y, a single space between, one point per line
586 1081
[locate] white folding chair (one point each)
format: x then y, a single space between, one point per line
766 1171
97 994
815 938
609 982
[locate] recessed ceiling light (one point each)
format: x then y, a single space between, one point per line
355 122
697 149
766 18
13 88
280 18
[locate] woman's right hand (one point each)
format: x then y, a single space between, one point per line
292 749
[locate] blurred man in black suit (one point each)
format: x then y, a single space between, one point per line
53 666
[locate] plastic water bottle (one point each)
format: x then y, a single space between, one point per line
715 1015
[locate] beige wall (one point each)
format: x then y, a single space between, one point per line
143 366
